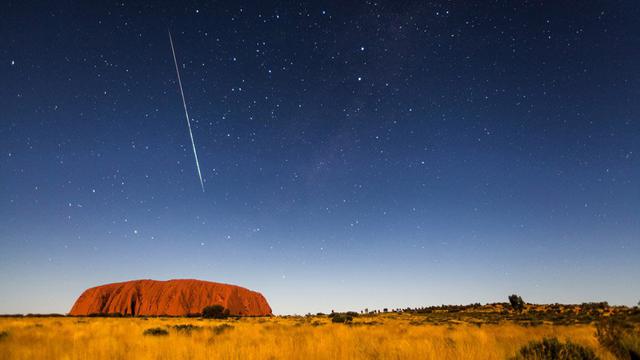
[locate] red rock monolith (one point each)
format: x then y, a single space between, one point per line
172 298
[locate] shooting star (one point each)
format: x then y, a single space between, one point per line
186 113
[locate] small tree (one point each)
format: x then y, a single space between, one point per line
215 312
516 303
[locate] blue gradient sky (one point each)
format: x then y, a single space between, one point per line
362 156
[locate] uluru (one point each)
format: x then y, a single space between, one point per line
170 298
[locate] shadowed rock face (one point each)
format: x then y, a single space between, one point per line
172 297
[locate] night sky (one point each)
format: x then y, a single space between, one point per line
354 154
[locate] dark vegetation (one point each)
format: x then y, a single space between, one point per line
4 335
344 318
219 329
552 349
341 318
186 328
517 304
215 312
518 311
156 332
619 338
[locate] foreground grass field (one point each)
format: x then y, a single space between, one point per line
382 336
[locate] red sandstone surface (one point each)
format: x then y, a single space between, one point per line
172 297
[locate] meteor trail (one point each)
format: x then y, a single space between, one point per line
186 113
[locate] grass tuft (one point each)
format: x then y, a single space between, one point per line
156 332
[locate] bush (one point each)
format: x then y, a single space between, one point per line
342 318
4 335
618 339
156 332
552 349
186 328
215 312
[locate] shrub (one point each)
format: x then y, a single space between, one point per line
594 307
215 312
186 328
552 349
516 302
618 339
156 332
342 318
221 328
4 335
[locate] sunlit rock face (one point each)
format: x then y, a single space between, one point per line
172 298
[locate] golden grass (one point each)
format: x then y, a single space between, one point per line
393 337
